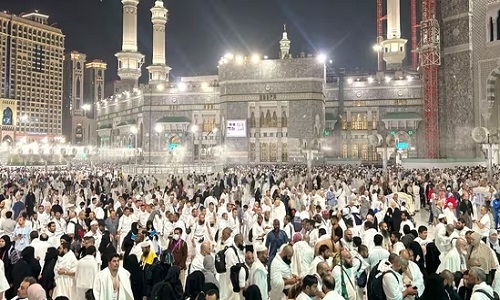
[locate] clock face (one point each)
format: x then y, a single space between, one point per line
268 87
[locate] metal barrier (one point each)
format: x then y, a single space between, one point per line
177 169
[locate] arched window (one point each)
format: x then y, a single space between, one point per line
274 121
268 118
7 116
498 26
78 89
252 120
284 120
491 31
261 120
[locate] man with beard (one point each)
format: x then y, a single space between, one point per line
392 284
384 231
460 227
234 254
282 278
455 259
258 272
275 239
64 270
343 276
322 270
324 255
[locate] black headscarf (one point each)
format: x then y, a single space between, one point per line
253 293
173 279
8 244
434 288
194 284
131 264
47 280
27 266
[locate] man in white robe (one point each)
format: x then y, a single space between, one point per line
124 226
113 283
64 271
455 259
258 272
302 258
278 211
86 271
282 278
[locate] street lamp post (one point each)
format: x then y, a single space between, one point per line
86 108
134 131
194 130
159 131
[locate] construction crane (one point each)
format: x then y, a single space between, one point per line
430 59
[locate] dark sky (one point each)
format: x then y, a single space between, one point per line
199 32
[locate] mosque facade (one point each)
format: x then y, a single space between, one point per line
257 109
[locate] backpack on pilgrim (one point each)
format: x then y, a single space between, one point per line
375 288
220 259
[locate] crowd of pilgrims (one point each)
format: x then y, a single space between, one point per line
254 232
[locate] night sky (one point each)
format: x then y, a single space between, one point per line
199 32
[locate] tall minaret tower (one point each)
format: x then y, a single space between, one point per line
394 46
158 70
129 59
284 44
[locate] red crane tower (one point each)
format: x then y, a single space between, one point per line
430 59
414 45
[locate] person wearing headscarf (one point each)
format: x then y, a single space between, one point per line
131 264
46 279
434 288
26 266
493 243
106 249
194 285
173 279
209 270
7 256
153 236
36 292
484 254
253 293
129 239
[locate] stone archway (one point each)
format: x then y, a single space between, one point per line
492 115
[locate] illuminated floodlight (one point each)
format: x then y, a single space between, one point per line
350 80
194 128
321 58
409 78
387 79
86 107
204 85
255 58
160 87
266 57
182 86
133 130
377 48
158 128
370 79
240 59
330 61
215 130
229 56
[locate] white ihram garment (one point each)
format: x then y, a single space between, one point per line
279 270
86 271
65 283
302 258
103 285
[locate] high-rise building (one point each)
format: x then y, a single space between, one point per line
93 92
31 56
73 107
83 87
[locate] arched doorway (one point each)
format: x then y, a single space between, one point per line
492 95
7 139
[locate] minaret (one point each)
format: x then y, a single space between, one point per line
394 47
284 44
158 70
129 59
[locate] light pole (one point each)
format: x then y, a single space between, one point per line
86 108
194 130
159 131
134 131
